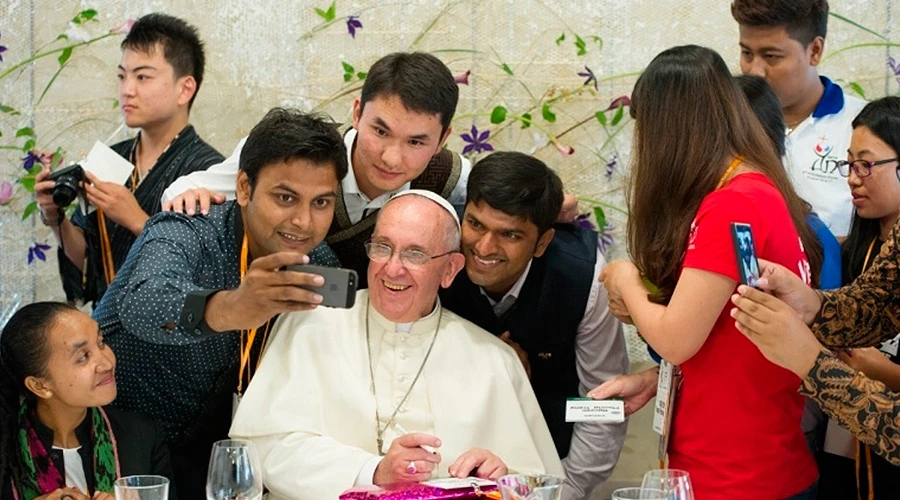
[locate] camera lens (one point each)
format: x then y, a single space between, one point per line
65 190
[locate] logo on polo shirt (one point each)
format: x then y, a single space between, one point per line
824 164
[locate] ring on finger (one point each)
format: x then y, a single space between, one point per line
411 467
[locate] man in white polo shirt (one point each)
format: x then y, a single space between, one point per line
783 41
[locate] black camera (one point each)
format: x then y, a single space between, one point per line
66 188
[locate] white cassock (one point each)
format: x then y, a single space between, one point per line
311 411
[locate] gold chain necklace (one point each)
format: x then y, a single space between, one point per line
379 430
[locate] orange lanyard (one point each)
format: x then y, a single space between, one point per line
722 180
248 336
859 445
106 256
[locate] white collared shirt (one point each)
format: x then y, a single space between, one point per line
509 298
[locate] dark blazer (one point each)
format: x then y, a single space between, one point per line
140 442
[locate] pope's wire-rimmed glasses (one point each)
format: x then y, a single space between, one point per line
862 168
411 257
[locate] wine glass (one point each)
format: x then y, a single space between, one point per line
234 472
529 487
675 482
142 488
639 494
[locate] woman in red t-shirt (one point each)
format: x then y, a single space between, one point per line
701 162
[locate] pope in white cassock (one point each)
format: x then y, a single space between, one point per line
351 397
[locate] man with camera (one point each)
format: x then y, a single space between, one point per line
189 311
159 75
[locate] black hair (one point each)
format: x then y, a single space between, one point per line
180 43
519 185
24 351
804 20
423 83
767 108
288 134
882 117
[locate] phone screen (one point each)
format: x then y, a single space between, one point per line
748 265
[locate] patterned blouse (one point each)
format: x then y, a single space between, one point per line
863 313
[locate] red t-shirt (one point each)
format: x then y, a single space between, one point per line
736 426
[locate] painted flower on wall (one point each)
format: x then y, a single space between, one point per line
2 48
463 78
895 68
611 166
476 141
353 24
589 77
32 158
6 192
37 251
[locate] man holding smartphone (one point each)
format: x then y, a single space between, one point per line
188 312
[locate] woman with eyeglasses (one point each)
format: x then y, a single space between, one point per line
849 469
58 441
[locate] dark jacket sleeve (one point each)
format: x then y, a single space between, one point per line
867 311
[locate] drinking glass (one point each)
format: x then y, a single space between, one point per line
529 487
234 472
675 482
142 488
639 494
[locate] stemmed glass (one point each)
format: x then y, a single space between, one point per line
639 494
141 488
676 483
234 472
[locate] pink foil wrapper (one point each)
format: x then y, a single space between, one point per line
412 491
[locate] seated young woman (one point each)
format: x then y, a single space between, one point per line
57 439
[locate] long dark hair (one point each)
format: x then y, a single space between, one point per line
24 351
882 117
690 120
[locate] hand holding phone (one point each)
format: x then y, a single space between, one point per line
748 265
340 285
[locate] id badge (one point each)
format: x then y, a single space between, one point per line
235 402
666 390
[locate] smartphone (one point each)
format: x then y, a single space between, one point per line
340 285
748 265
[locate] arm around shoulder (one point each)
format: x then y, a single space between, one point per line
219 178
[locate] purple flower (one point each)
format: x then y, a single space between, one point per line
895 68
584 221
6 192
353 24
590 78
2 49
33 157
37 250
462 79
611 166
476 142
605 239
